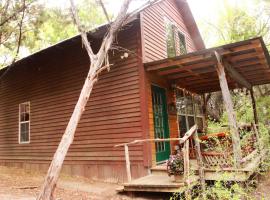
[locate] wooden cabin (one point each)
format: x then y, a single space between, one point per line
155 92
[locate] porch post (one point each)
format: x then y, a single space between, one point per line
254 106
229 107
204 107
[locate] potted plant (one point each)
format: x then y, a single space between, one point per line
175 167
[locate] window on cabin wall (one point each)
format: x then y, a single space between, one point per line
182 43
175 40
170 38
189 111
24 122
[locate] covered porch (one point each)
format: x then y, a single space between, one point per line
187 79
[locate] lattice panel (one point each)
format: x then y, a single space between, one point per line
217 160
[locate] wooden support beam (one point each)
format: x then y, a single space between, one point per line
204 108
176 62
200 162
127 163
250 62
258 138
187 169
177 69
229 107
237 76
254 106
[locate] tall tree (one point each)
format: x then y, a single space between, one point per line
235 23
15 17
41 26
49 25
98 63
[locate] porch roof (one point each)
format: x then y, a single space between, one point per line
246 63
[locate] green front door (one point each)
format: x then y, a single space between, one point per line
161 126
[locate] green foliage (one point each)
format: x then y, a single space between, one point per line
263 104
15 22
237 22
226 191
243 106
52 26
55 24
91 14
217 127
42 26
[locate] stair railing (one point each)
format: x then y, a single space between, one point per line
192 132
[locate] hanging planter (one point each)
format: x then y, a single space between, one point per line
175 167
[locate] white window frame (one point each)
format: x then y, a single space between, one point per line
19 138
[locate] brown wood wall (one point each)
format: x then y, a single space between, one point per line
153 28
52 84
154 48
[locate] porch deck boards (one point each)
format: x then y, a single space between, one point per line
158 183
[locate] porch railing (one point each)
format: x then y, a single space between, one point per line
224 159
185 141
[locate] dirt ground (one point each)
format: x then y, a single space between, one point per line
262 191
18 184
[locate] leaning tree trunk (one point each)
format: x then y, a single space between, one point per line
97 60
67 139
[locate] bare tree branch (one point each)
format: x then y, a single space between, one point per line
19 41
104 10
20 34
13 14
81 30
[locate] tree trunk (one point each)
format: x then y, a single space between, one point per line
96 68
67 139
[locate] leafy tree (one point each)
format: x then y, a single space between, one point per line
16 16
234 24
41 26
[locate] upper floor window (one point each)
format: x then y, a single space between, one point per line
24 122
182 43
170 39
175 40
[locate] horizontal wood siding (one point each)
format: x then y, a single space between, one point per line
153 26
52 84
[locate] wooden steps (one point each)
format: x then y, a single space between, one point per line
162 169
158 183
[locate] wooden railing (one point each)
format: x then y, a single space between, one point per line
224 159
184 140
258 148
